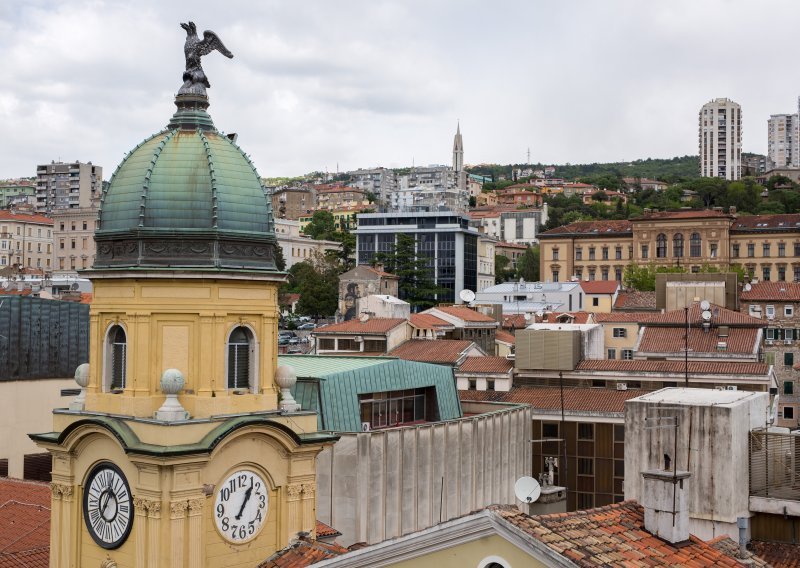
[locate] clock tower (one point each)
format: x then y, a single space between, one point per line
177 452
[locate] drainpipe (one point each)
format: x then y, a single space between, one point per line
741 522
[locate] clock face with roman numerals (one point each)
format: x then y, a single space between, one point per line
107 505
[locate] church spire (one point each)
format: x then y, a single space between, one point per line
458 150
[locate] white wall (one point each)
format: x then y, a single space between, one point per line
387 483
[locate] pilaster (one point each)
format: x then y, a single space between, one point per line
294 505
195 533
309 506
153 530
140 524
177 515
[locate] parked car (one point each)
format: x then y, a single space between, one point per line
294 340
307 326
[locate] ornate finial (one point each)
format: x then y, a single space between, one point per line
195 81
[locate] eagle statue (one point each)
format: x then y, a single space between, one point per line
195 81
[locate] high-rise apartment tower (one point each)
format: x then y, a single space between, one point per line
783 140
720 138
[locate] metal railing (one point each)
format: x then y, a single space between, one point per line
774 465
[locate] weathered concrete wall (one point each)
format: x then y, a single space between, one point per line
386 483
713 436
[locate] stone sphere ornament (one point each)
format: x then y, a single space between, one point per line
172 382
82 378
286 378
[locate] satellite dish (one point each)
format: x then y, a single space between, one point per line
527 317
527 489
706 315
748 287
704 305
466 295
75 286
539 314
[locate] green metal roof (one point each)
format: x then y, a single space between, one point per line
186 179
331 385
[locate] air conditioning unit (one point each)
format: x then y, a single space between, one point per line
622 386
719 388
769 342
787 341
365 427
731 388
358 339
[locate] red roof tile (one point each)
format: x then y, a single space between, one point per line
515 321
505 336
613 535
672 340
442 351
720 316
7 215
772 292
466 314
427 321
635 300
623 317
778 554
685 214
303 553
326 531
486 365
381 273
766 222
549 398
503 244
372 325
590 228
675 367
600 286
24 523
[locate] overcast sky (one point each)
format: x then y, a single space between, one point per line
372 83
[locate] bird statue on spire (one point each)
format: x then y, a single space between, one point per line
195 81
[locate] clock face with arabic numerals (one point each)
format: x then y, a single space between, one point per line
240 508
107 505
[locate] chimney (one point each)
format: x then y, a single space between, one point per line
732 210
666 511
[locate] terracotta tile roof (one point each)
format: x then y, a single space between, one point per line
721 316
519 321
600 286
442 351
372 325
613 535
466 314
505 336
303 553
7 215
675 367
784 221
427 321
623 317
24 523
772 292
590 228
672 340
515 321
635 301
778 554
326 531
688 214
381 273
549 398
486 365
503 244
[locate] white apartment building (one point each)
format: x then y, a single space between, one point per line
720 139
73 237
783 140
62 185
26 240
297 248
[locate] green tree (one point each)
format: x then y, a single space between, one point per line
503 272
322 225
416 285
280 261
528 264
317 282
643 277
600 196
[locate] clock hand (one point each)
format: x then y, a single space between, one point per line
246 498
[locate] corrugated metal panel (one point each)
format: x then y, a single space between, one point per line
339 390
42 338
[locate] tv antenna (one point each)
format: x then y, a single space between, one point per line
527 489
467 296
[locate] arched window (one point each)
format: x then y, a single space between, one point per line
695 245
661 246
116 358
677 245
240 358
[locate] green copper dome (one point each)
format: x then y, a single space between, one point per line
186 197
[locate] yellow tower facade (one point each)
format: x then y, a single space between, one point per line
178 452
